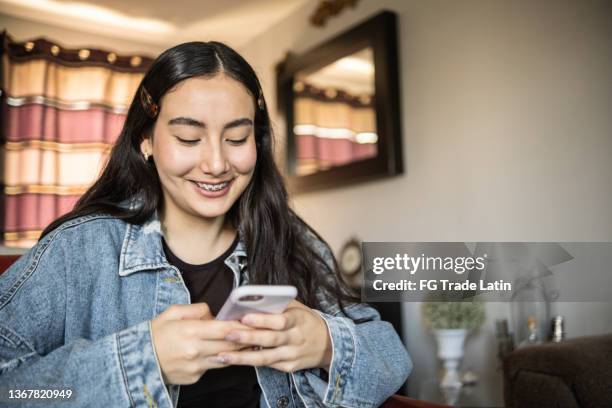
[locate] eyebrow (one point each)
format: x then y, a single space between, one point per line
196 123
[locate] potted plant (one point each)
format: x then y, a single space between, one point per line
451 322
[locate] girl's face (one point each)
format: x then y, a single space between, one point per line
204 146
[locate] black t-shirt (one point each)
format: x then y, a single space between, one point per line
234 386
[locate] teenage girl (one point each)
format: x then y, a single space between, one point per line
116 302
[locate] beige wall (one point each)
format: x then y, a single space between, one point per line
507 131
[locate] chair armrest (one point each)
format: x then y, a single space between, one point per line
573 372
397 401
6 261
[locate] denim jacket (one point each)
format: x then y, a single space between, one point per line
75 313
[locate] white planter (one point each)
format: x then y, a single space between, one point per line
450 351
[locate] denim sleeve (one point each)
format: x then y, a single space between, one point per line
115 370
369 361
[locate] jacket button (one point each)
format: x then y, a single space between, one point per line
282 402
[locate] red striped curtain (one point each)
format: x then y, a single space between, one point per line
332 127
61 111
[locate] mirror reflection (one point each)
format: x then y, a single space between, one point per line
335 118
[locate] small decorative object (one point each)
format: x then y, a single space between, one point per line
469 378
530 266
450 350
328 9
532 336
557 331
530 310
350 261
451 322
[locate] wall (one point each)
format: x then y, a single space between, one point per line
507 137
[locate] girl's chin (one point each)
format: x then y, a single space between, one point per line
210 211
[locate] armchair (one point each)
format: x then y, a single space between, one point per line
573 373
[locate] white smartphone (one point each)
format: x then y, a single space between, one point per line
256 299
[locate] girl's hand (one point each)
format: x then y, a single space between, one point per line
187 340
290 341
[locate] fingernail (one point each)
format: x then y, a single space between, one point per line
232 337
248 320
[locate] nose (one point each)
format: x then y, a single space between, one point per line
213 160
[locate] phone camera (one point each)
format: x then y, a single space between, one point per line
250 298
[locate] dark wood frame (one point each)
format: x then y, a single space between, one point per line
380 33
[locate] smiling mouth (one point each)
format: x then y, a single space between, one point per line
212 187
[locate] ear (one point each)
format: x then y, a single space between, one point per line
146 147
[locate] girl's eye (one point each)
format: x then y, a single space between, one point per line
238 142
187 141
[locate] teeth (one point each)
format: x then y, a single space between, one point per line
213 187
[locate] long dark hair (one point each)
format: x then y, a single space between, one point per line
275 236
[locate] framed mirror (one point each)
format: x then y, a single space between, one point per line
341 106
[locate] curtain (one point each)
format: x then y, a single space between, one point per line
332 127
61 111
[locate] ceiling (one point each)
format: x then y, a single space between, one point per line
159 22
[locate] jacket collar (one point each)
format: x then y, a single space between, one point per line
142 249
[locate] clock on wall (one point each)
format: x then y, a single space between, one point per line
350 261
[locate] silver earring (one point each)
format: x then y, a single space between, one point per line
146 156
